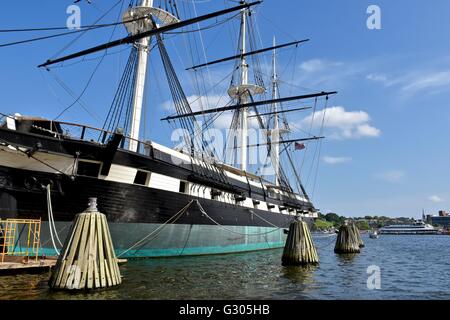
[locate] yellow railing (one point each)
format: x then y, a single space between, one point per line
10 237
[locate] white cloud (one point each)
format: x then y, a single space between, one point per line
224 121
366 130
435 198
392 176
426 81
377 77
336 160
323 74
316 65
386 80
415 82
342 124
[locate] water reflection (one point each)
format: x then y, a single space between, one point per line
406 264
346 258
299 274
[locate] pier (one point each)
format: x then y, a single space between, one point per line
18 264
17 259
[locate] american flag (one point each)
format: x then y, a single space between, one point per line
299 146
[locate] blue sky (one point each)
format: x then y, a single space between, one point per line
387 145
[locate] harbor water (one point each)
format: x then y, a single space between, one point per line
411 267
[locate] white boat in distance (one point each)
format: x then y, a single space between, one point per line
373 234
417 228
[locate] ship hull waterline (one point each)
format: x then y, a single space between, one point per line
135 212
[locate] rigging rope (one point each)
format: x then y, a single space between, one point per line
8 44
329 243
83 29
232 231
121 106
157 231
82 92
210 26
189 124
66 88
83 33
200 86
320 147
93 73
93 26
145 240
310 131
317 149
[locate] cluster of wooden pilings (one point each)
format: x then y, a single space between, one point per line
87 260
299 249
358 235
348 239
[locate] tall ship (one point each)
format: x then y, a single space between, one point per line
190 199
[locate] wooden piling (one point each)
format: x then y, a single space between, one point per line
299 248
87 260
346 241
358 235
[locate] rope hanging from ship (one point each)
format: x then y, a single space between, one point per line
51 221
232 231
158 230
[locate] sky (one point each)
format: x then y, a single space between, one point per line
387 129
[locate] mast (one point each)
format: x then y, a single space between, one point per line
141 26
243 89
243 97
141 72
276 137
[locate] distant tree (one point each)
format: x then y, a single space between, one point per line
362 225
332 217
320 224
380 224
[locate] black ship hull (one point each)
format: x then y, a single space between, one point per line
135 211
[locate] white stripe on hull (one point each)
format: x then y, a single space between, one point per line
123 174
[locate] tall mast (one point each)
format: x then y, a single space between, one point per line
141 72
243 96
242 90
276 131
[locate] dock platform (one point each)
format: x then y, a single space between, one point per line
17 265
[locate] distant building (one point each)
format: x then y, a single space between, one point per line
442 219
442 213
